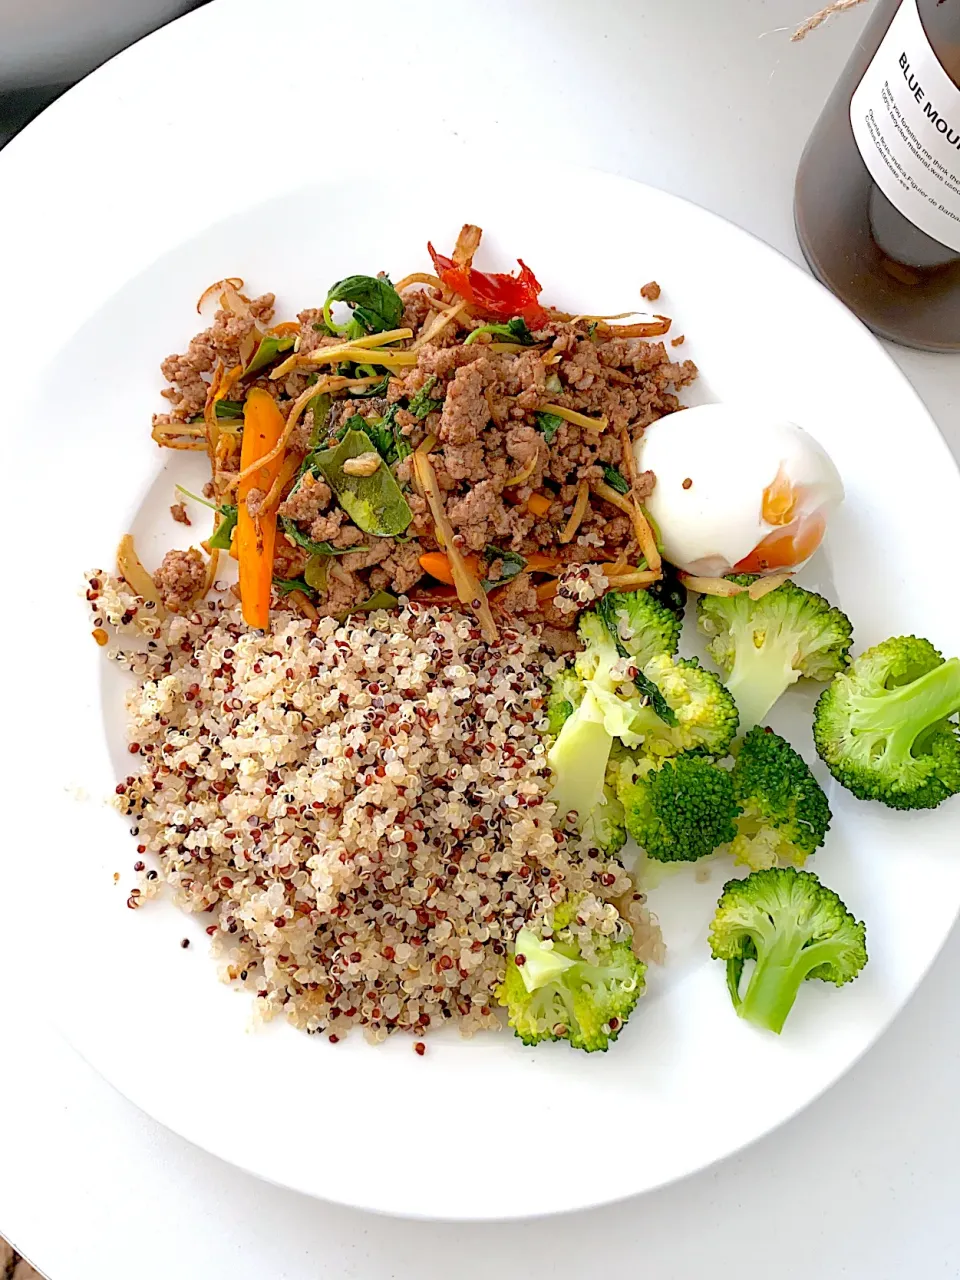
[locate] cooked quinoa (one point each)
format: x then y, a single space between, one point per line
359 808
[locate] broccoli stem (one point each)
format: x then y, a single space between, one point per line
758 679
778 976
579 761
903 713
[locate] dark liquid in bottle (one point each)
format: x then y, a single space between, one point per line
899 281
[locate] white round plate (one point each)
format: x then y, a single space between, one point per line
482 1128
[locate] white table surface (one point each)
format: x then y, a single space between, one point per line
707 99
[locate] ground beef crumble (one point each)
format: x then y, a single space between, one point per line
506 484
180 578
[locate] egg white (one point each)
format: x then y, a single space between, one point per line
730 454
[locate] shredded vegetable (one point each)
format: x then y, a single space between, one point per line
131 569
630 507
217 287
256 534
711 586
577 514
469 590
763 586
579 419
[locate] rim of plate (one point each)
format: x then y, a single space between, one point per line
125 1076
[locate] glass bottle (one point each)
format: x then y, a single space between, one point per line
878 189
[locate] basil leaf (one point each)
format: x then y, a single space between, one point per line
657 701
221 538
513 563
375 389
606 609
401 445
286 585
421 403
225 409
374 503
383 433
375 304
315 573
322 549
293 531
514 330
320 404
270 347
615 480
379 600
549 424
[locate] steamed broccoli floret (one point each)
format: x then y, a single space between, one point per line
601 668
581 780
703 710
607 829
784 813
883 727
568 991
794 928
643 627
566 692
578 759
764 645
681 811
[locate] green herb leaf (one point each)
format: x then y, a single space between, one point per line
286 585
321 549
375 304
607 612
657 701
270 347
401 445
315 573
293 531
383 432
374 503
515 330
320 404
221 537
375 389
549 424
615 480
224 409
513 563
421 404
379 600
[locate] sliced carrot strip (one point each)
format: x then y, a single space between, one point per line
255 537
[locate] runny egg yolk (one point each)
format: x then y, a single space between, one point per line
779 500
786 547
793 539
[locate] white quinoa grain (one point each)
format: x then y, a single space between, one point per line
358 809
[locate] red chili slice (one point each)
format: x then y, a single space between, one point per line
495 293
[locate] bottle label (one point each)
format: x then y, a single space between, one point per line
905 115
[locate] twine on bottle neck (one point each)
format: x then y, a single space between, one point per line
819 18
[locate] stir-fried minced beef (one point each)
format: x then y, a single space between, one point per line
510 469
180 578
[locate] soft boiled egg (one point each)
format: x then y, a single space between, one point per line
737 491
